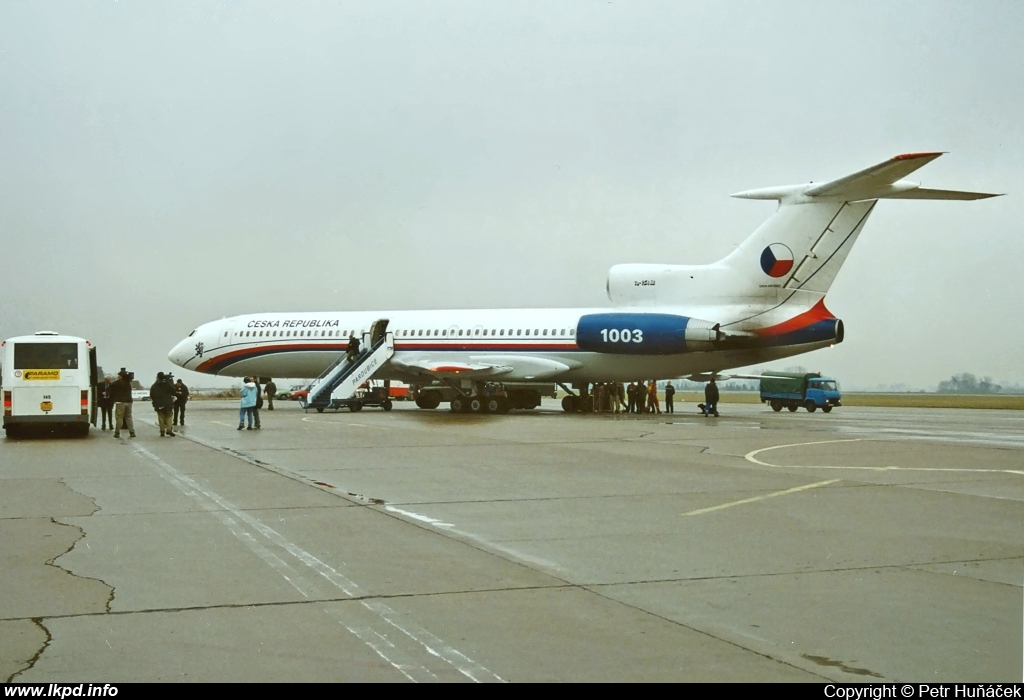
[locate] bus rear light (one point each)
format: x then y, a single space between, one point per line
85 402
7 403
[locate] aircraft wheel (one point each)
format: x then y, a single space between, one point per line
428 399
458 404
810 406
568 405
792 407
319 409
493 405
827 408
776 405
476 405
387 405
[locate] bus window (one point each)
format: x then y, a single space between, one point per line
46 356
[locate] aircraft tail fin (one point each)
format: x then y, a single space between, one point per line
803 245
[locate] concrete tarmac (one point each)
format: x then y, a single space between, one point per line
865 545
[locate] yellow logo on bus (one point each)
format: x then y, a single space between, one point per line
37 375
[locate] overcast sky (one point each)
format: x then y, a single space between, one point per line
167 164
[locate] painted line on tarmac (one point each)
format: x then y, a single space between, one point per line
550 566
369 623
815 485
751 457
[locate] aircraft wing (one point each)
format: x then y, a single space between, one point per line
520 367
453 368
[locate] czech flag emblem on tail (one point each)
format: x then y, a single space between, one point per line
776 260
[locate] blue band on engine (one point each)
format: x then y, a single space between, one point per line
632 334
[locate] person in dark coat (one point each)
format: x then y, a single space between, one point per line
352 351
121 390
711 398
180 399
270 389
162 396
106 401
670 391
259 403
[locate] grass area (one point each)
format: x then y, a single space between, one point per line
1013 402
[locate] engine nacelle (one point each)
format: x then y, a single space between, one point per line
637 283
645 334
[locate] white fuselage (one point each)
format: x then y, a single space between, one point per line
537 344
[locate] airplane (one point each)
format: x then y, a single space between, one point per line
764 301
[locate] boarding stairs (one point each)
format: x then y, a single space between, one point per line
343 377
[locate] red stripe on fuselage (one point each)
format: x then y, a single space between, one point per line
816 313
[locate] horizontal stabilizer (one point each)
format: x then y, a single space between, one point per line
923 193
881 181
877 177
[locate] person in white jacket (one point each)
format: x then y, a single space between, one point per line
248 403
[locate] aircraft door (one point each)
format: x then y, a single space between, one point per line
225 335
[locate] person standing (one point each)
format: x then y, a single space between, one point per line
618 396
162 396
180 399
247 403
106 401
259 404
121 391
670 391
711 398
352 351
652 398
270 389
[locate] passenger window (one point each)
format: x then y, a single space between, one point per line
572 331
502 331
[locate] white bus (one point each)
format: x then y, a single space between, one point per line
49 381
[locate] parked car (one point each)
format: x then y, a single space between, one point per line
299 391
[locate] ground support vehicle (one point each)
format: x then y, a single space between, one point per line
369 396
49 382
794 390
495 397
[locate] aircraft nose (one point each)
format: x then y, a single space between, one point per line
181 353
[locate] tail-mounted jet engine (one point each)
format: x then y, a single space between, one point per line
646 334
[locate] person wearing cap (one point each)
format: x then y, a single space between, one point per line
162 396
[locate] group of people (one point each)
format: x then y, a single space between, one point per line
115 402
252 402
638 397
643 398
169 399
